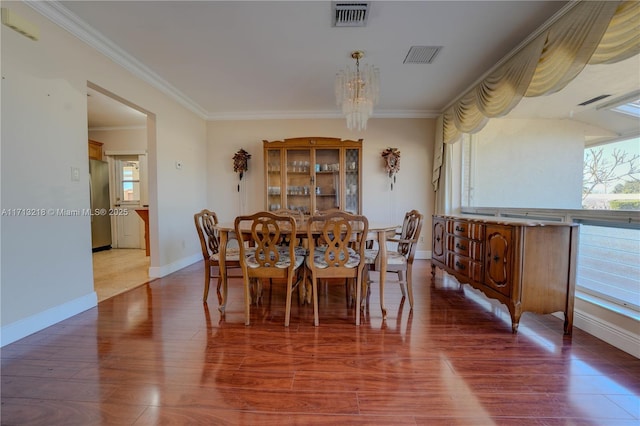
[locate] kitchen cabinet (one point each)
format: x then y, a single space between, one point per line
527 265
311 174
95 150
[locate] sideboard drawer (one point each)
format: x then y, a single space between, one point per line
474 231
466 247
465 266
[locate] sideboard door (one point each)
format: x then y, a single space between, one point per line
439 240
498 273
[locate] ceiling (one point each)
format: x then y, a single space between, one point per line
278 59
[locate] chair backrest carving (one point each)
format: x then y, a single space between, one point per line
205 222
298 216
339 231
266 235
410 233
327 211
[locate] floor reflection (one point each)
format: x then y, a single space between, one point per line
158 355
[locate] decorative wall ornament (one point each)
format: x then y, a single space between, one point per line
392 163
241 163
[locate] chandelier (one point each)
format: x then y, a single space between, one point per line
357 92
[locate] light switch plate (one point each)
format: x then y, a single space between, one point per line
75 174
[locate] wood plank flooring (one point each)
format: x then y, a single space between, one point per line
157 355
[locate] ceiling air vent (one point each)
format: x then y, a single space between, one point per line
350 13
592 100
422 54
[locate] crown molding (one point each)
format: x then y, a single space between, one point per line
112 128
293 115
62 17
405 113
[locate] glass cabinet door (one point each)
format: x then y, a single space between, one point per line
352 190
313 174
327 180
274 180
299 188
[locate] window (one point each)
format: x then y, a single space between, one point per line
609 241
631 108
128 172
608 264
611 176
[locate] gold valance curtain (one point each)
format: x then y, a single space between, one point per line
591 32
622 38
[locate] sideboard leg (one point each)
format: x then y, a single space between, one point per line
568 323
515 319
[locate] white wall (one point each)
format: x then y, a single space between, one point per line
528 163
121 139
413 137
46 264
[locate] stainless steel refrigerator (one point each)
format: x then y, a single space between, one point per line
99 193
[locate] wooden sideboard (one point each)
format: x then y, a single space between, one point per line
526 265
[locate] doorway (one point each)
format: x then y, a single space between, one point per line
129 179
121 127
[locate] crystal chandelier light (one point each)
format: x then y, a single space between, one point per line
357 92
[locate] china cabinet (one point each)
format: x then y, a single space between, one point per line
527 265
312 174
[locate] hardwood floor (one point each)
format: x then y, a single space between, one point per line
157 355
118 270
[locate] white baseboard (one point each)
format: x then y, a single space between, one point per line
161 271
26 326
423 254
606 331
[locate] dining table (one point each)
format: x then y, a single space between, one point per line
378 231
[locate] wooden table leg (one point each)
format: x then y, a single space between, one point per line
223 269
382 267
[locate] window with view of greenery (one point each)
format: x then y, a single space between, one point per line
611 176
608 256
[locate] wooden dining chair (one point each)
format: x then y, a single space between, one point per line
298 216
205 222
400 260
336 250
327 211
268 257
